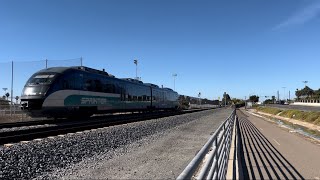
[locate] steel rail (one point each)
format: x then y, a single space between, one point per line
29 134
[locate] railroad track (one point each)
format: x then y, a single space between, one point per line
74 126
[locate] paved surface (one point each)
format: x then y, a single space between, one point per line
302 108
270 152
160 156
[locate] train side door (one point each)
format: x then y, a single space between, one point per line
123 95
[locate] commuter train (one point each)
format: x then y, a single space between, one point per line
81 91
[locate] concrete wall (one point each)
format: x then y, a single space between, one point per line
309 103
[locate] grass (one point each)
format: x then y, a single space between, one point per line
269 110
310 117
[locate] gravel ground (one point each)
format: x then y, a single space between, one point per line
57 157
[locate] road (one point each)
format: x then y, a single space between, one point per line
302 108
270 152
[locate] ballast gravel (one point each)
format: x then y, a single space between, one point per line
50 158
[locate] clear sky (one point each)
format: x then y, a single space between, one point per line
241 47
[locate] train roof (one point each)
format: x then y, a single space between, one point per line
83 68
152 85
87 69
168 89
132 80
55 69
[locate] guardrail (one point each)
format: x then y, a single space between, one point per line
212 160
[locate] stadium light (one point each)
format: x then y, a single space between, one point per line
136 63
174 81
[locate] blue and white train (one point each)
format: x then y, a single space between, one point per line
81 91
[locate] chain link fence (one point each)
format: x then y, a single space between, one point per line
13 76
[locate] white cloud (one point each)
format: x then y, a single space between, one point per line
301 16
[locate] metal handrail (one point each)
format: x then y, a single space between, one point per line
211 161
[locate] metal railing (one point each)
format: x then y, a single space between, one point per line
212 160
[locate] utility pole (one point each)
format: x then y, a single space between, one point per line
245 102
11 88
284 93
46 63
174 81
136 63
80 61
289 96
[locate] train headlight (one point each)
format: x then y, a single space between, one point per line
29 91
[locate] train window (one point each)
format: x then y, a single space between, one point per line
144 98
71 81
42 78
88 85
135 98
98 85
109 88
65 84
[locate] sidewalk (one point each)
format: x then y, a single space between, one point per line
269 152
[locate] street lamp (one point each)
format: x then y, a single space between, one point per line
174 81
136 63
199 95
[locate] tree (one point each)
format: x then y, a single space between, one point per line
254 98
227 97
306 91
298 94
237 101
268 101
273 99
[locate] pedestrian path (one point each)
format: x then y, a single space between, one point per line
260 159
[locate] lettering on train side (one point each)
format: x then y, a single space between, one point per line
93 101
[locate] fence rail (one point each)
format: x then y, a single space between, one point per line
212 160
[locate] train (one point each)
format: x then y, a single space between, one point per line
79 91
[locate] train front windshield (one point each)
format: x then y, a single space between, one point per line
43 78
38 84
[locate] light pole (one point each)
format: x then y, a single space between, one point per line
136 63
174 81
245 102
284 93
199 95
305 83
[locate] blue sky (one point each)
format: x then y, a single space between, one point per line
241 47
